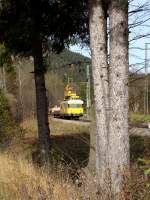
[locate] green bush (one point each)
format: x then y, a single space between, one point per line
8 127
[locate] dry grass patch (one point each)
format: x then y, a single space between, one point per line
30 127
19 179
67 127
57 127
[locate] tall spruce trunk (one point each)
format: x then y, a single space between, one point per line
119 138
41 102
98 43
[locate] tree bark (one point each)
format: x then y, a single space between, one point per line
119 138
41 102
111 94
98 43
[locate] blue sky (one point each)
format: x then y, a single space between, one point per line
136 47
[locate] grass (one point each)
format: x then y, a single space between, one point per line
139 118
70 143
57 127
30 127
21 179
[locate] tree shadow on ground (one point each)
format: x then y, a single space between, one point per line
70 150
74 149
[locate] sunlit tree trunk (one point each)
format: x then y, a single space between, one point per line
98 42
119 139
111 94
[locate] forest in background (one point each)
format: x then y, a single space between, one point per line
17 81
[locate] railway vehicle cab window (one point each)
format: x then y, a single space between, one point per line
75 105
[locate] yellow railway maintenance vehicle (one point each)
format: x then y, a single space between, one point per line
71 107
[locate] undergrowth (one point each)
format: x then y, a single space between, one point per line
65 177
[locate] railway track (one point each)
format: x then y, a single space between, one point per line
70 121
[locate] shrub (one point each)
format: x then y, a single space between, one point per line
8 127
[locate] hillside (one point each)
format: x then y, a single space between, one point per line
69 64
67 57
